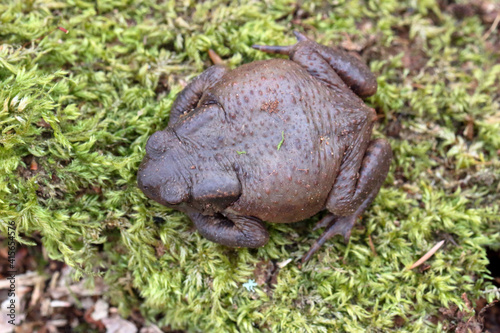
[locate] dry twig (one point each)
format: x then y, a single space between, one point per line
427 255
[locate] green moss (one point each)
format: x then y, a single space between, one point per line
81 105
282 140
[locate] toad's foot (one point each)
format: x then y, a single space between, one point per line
324 222
339 226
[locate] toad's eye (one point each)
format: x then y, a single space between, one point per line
205 117
206 102
210 102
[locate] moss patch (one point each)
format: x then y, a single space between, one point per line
76 110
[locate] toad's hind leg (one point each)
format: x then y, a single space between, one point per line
374 169
331 65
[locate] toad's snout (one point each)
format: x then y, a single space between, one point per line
159 173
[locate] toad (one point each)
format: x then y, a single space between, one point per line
275 140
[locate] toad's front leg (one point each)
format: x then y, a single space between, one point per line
231 230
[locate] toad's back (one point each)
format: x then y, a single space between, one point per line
286 132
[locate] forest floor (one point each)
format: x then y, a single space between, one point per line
84 84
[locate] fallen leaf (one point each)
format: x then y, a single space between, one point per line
118 325
100 310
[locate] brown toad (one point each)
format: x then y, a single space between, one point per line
274 140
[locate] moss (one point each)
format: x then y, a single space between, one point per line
282 140
76 110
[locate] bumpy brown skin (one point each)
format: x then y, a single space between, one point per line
275 140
